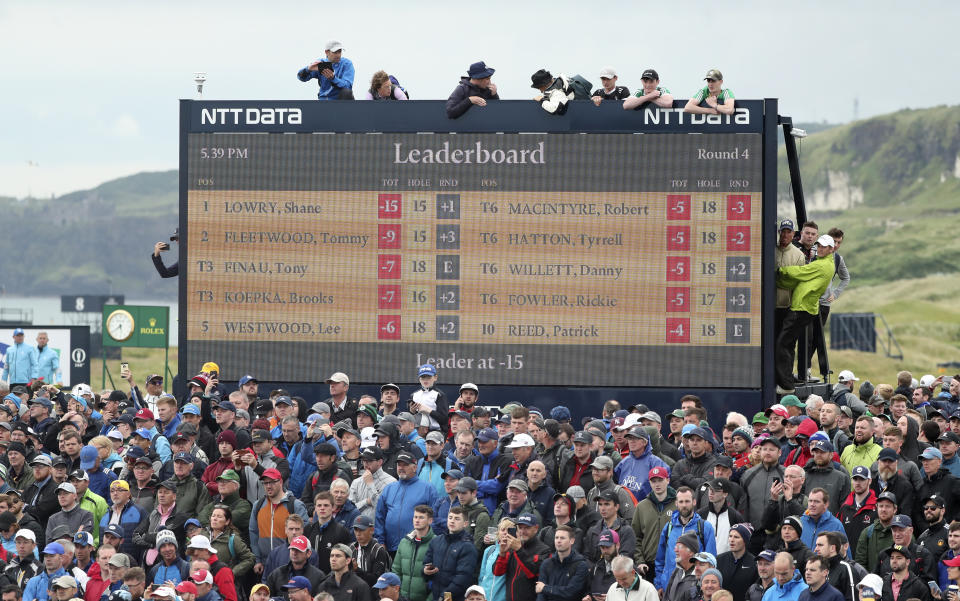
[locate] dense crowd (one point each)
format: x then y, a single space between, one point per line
237 494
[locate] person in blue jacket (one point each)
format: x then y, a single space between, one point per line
20 366
684 519
48 361
451 558
396 502
336 81
787 581
817 519
632 471
37 587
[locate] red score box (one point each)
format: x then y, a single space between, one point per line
389 206
388 327
678 237
678 299
388 267
678 207
388 296
678 330
678 269
738 207
738 238
388 235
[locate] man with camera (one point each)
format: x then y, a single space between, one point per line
334 75
159 247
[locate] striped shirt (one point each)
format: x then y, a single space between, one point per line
703 92
641 93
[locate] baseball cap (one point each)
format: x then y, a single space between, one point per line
822 445
64 581
528 519
201 577
324 448
247 379
188 587
887 496
229 475
405 457
791 400
786 224
470 386
119 484
608 72
332 46
169 484
931 453
390 386
724 461
362 522
767 555
190 409
66 486
300 543
887 454
652 416
608 538
522 440
602 462
902 550
144 413
142 433
826 240
297 582
901 521
271 474
84 539
701 432
860 472
226 406
953 563
426 370
720 484
713 74
466 484
650 74
387 579
705 557
937 500
658 472
372 454
42 460
949 436
609 495
120 560
760 418
200 542
17 331
338 377
114 529
82 475
184 457
25 533
434 437
846 375
452 473
519 485
583 436
576 493
777 409
259 435
192 522
88 457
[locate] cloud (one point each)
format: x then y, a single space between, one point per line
125 126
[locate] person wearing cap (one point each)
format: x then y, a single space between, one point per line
520 558
550 450
100 478
433 467
859 509
948 568
219 574
165 515
948 442
574 468
922 563
342 583
937 480
651 515
864 450
87 499
19 474
341 406
694 469
902 562
879 535
394 512
451 557
516 503
823 472
785 254
371 559
269 514
713 98
389 398
764 578
720 511
335 79
202 580
146 426
264 457
169 567
737 566
757 482
893 472
683 521
124 513
21 364
41 497
225 415
446 499
367 488
934 538
806 283
23 565
38 587
631 472
474 89
651 91
681 582
609 90
228 493
608 505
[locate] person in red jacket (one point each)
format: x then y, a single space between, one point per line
802 454
520 559
226 444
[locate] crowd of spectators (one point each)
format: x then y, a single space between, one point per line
335 77
234 493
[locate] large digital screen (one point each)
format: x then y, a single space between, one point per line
575 259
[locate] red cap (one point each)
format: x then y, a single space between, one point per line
953 563
778 409
300 543
202 576
144 414
271 474
658 472
187 587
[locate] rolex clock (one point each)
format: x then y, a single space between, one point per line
119 325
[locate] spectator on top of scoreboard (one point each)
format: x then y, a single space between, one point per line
474 89
555 92
383 88
609 89
786 254
334 73
713 98
652 91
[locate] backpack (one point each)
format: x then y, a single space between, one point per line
703 542
580 87
256 509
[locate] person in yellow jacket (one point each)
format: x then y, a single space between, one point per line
807 283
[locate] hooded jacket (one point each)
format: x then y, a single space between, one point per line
408 565
455 556
692 471
801 454
864 454
395 509
786 592
649 519
666 558
632 471
941 483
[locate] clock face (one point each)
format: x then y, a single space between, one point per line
120 325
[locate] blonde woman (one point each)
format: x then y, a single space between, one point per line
382 88
495 585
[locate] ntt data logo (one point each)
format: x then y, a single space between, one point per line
251 116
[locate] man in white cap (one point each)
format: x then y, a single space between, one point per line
609 89
334 73
475 593
807 283
71 514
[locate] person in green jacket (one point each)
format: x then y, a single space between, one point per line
807 284
228 485
879 535
408 563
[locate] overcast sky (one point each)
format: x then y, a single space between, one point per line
90 88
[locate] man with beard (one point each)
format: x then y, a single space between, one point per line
909 584
934 538
692 471
938 481
775 415
822 473
608 505
922 563
893 439
830 423
859 510
879 535
864 450
889 479
601 575
683 521
757 482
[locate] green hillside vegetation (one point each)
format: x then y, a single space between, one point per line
107 233
906 165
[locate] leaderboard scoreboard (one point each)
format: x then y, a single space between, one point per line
545 258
